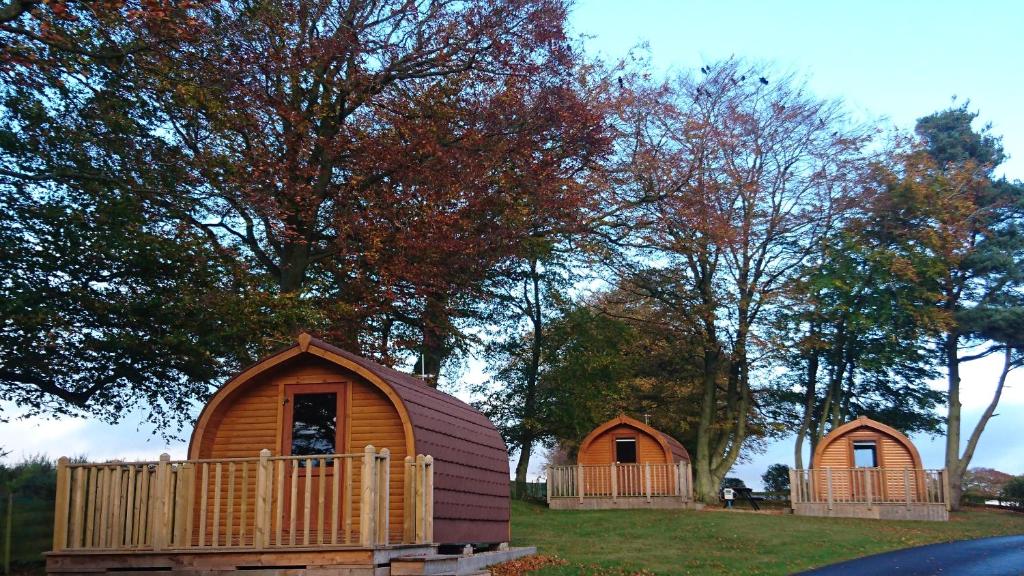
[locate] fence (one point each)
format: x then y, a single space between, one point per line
621 481
868 486
264 502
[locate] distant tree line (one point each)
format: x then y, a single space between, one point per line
184 186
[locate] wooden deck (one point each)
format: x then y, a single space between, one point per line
620 486
267 512
881 493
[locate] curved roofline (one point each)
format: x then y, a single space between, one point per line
623 419
864 421
305 344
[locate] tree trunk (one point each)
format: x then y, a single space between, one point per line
523 465
810 393
953 470
705 487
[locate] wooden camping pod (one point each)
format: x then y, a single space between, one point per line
651 445
375 405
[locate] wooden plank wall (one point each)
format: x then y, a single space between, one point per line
602 449
252 419
893 456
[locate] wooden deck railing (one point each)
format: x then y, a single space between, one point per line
621 481
263 502
868 486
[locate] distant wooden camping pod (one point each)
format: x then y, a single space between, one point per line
314 398
624 463
625 440
865 443
865 469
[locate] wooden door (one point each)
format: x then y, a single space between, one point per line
313 425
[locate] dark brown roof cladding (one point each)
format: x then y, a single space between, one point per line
678 450
471 473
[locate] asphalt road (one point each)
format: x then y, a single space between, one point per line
1000 556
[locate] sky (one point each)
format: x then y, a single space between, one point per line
891 61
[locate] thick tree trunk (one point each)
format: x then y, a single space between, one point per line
523 465
705 486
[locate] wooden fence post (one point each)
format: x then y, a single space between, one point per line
906 486
383 495
647 479
551 472
793 494
368 503
828 485
944 477
614 481
409 508
428 495
60 517
161 517
264 490
868 480
579 481
421 505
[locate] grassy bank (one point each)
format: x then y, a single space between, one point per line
719 542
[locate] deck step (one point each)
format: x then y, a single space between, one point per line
455 564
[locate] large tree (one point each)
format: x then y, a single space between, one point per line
856 325
973 221
736 179
357 168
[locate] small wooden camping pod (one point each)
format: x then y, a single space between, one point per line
370 405
626 440
624 463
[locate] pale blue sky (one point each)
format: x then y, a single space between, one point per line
897 60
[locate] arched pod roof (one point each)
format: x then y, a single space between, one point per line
471 474
674 451
865 422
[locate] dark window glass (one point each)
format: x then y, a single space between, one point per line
865 455
314 424
625 450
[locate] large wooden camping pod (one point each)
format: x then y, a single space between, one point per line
624 463
373 405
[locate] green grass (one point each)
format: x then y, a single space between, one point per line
720 542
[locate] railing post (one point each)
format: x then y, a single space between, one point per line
264 489
579 481
161 517
869 481
550 482
944 476
906 486
368 503
792 487
60 517
428 498
828 485
421 505
647 479
409 509
614 481
383 495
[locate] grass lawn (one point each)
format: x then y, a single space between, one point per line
720 542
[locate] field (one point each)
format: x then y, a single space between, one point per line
616 542
717 542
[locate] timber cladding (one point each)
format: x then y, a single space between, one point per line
375 405
893 453
654 446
